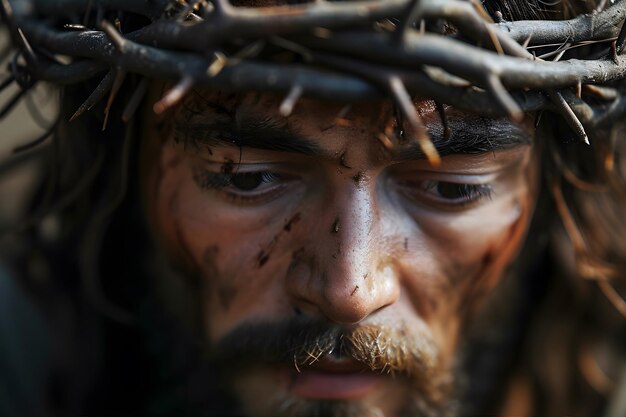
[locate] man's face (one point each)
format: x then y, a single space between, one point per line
336 273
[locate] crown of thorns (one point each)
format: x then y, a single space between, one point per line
450 51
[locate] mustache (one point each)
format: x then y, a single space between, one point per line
303 342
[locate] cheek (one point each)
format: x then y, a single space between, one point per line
461 254
238 263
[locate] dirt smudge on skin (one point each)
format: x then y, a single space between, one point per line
358 177
262 258
294 219
356 288
264 254
335 226
342 160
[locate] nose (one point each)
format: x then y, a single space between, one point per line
345 274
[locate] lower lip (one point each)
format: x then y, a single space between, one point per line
334 386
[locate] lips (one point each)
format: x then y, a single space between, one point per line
335 379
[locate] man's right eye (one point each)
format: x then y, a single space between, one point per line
243 187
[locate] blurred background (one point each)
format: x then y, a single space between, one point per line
27 121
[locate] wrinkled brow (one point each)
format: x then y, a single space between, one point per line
474 135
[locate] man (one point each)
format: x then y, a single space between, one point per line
310 262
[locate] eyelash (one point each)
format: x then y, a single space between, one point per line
467 193
209 180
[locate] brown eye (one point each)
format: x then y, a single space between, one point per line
454 191
247 181
446 192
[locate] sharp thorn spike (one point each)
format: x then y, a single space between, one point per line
117 84
502 96
98 94
407 107
115 37
569 115
217 65
173 96
30 53
286 107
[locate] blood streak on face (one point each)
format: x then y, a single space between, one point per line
288 221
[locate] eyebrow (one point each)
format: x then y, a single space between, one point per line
476 135
473 136
267 134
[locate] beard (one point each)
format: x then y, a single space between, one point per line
407 357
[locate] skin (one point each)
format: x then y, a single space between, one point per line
354 237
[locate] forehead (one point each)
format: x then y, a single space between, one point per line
255 120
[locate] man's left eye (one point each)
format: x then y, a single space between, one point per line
250 181
457 192
451 194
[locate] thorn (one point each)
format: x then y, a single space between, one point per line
502 96
295 363
105 85
286 107
188 10
217 65
444 120
481 11
404 101
173 96
609 292
115 37
29 49
494 40
135 100
562 52
579 90
569 115
527 41
603 93
117 83
384 139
